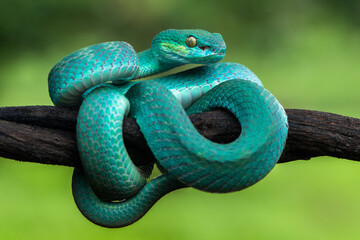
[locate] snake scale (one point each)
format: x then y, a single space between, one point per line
109 189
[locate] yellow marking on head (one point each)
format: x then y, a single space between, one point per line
175 47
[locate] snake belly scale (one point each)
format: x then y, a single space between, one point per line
109 189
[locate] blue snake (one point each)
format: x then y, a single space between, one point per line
109 189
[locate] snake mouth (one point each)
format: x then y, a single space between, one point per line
204 48
211 51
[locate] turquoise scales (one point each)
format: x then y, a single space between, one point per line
110 190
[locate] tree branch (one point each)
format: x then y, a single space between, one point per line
45 134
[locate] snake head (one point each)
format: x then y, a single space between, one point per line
188 46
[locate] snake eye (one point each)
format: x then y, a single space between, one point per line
191 41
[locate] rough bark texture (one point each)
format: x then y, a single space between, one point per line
45 134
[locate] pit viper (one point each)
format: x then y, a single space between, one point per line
109 189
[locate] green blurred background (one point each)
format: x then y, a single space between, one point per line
307 53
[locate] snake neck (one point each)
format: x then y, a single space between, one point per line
150 65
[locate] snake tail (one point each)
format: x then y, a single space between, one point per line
119 213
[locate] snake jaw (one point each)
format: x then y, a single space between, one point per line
213 51
210 54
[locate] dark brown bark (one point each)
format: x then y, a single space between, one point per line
45 134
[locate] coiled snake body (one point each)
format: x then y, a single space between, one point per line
109 189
